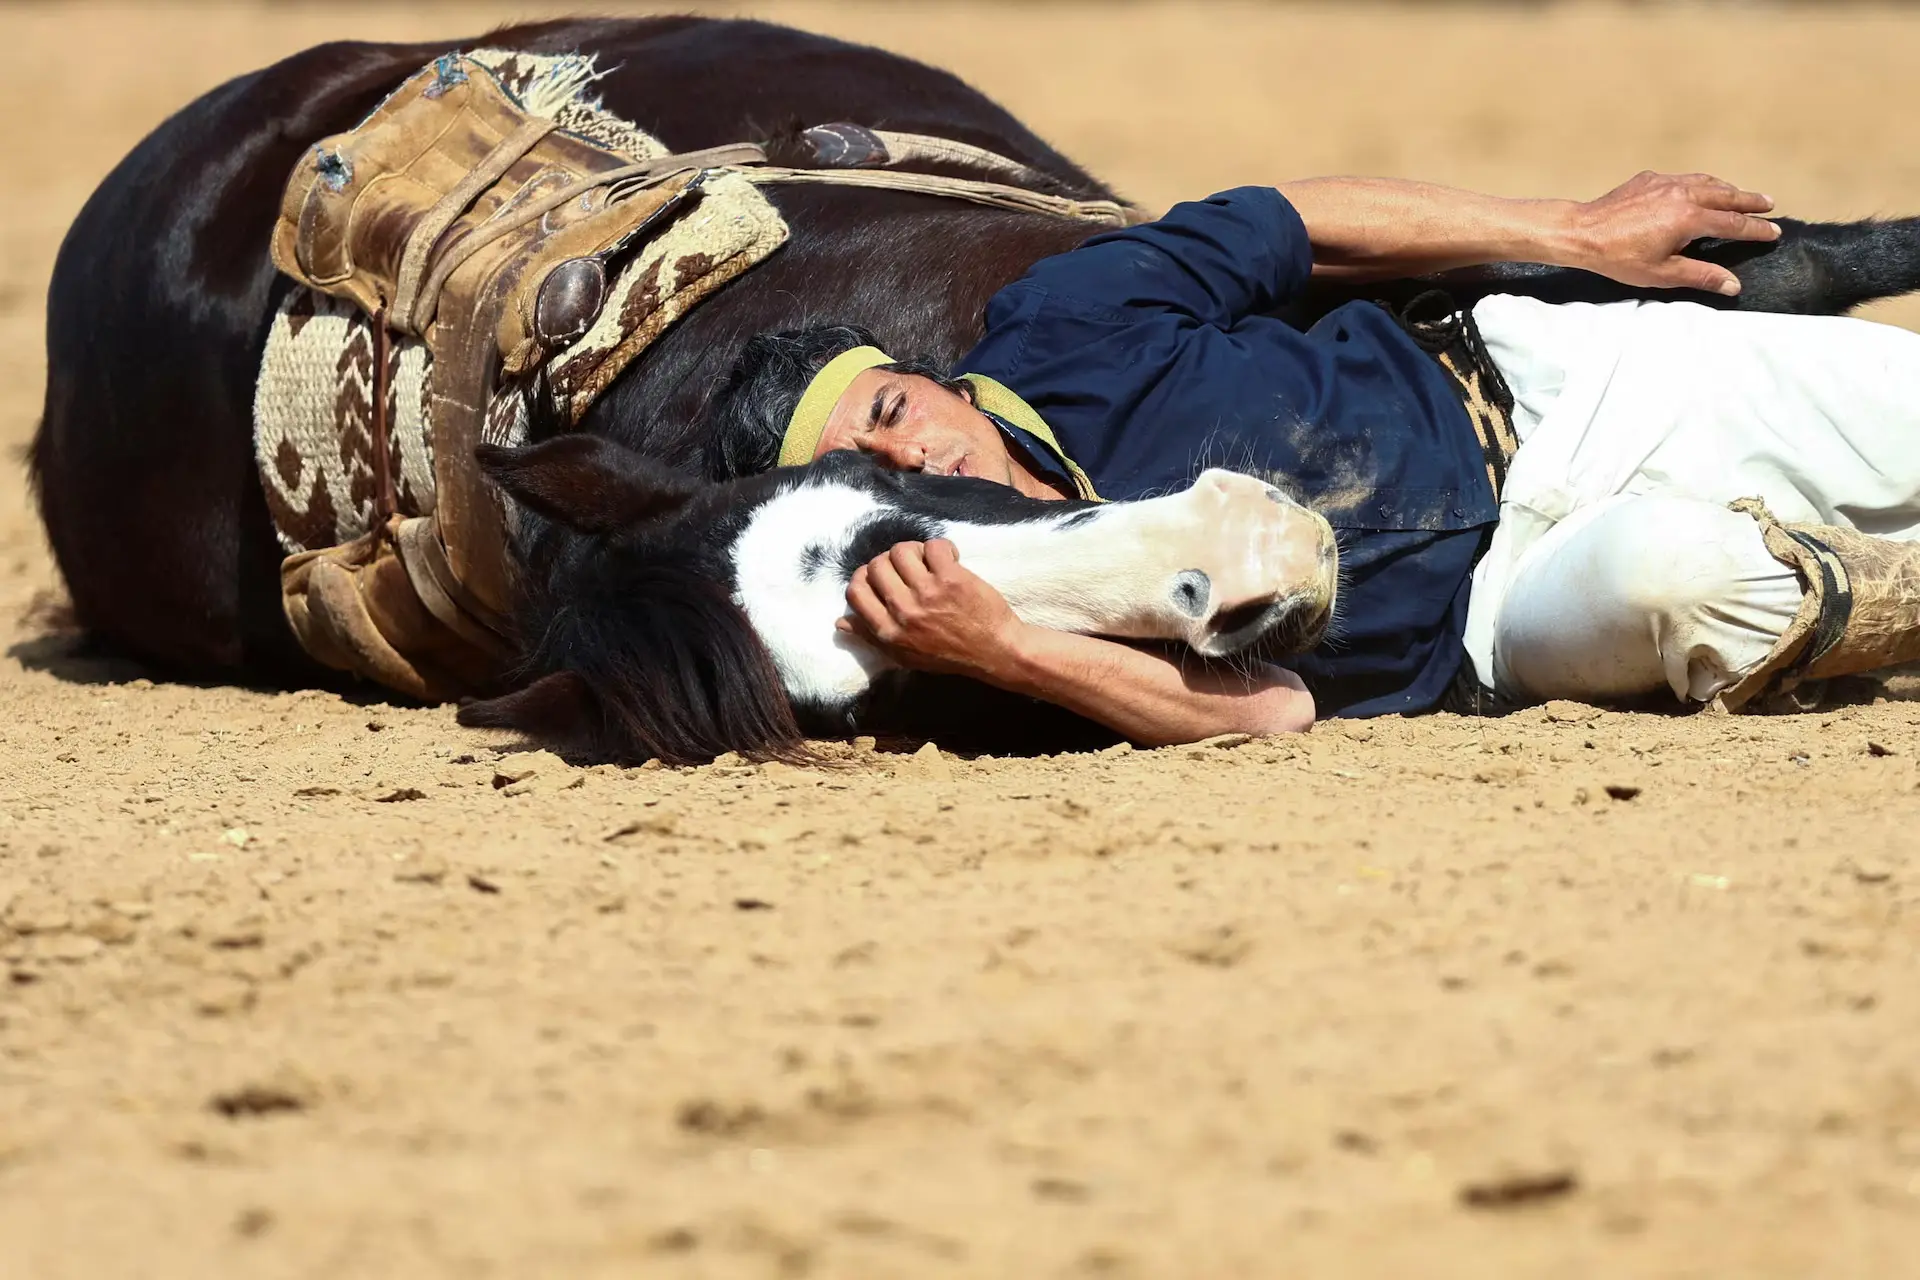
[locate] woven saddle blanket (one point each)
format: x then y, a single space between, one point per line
448 248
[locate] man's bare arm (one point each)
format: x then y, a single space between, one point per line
931 614
1380 228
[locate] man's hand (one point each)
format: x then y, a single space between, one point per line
1389 228
1634 233
929 613
932 615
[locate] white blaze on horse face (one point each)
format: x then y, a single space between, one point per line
792 603
1201 566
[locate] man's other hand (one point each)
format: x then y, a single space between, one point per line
1634 233
929 613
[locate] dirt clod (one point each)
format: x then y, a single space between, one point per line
1517 1190
426 868
931 764
283 1093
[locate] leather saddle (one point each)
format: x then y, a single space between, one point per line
456 216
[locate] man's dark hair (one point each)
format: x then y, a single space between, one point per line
751 410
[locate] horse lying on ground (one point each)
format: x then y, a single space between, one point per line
163 292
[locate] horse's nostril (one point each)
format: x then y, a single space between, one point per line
1192 590
1275 495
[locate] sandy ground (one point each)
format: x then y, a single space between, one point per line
297 986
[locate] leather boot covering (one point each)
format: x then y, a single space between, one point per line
1860 611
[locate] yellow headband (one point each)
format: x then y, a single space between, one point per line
809 421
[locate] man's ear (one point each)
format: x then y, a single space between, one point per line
586 482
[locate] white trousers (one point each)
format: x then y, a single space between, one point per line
1616 567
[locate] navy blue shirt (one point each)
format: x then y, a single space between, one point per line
1149 353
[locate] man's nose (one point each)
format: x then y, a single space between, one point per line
902 455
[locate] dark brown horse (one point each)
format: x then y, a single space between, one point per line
162 294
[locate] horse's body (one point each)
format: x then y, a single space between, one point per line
162 294
163 291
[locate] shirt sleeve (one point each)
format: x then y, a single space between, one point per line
1215 260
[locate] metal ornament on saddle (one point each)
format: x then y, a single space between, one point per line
486 224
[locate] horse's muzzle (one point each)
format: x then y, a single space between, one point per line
1295 616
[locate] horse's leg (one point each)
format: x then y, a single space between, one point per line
1814 268
1822 268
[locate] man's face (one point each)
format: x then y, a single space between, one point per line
911 423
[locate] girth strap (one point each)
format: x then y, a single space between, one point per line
995 194
417 298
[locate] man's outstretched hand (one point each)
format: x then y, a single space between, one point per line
1634 233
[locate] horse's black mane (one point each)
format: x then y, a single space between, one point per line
641 652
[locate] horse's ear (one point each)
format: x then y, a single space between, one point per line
586 482
558 707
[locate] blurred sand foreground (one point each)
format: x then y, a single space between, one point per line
1395 999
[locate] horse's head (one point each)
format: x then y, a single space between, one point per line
1228 565
683 619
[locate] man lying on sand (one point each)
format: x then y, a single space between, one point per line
1579 544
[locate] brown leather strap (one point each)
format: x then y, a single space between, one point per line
384 501
996 194
407 314
440 590
920 148
623 181
750 158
